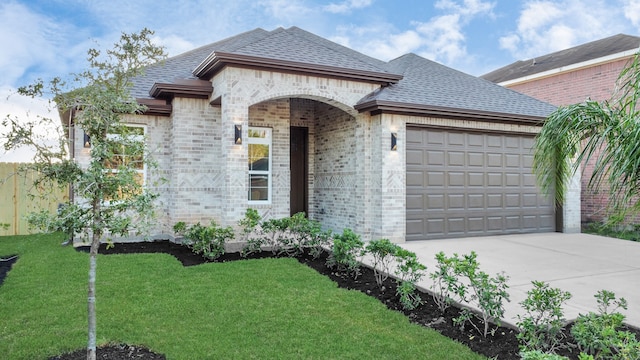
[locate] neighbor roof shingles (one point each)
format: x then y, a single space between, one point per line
589 51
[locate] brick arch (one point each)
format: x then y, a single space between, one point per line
332 102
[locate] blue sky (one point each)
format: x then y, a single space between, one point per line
47 38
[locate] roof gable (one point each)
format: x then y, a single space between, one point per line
593 50
296 50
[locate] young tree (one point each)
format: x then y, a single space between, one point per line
607 133
109 197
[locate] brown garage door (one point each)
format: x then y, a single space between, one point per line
463 184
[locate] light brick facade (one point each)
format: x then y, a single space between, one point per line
354 179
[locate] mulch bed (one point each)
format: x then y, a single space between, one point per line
502 345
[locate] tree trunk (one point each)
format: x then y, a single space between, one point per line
91 297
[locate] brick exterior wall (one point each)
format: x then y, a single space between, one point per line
596 83
354 179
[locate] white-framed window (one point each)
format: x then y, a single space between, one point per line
128 149
259 147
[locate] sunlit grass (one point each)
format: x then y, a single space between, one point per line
261 309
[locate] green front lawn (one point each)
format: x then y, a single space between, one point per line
261 309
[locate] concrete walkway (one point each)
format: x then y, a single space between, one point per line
579 263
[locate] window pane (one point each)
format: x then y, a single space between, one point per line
258 133
258 187
259 157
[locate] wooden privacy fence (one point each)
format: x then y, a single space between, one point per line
15 202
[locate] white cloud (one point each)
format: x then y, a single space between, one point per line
346 6
441 38
24 109
546 26
173 44
632 12
467 8
286 10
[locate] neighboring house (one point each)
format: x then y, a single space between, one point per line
285 121
571 76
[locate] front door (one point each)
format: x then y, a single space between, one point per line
299 170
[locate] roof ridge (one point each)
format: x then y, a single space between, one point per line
334 46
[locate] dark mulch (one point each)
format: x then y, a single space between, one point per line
502 345
114 352
6 262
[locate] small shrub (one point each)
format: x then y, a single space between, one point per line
541 327
409 271
249 223
487 293
344 252
207 241
598 335
446 283
539 355
383 251
273 234
302 234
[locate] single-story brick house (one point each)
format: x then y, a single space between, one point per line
570 76
285 121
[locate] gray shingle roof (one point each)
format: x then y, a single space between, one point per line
589 51
428 83
181 66
424 82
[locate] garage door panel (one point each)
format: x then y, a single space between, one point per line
512 160
435 202
476 201
415 157
435 158
476 159
512 201
476 224
415 202
494 160
435 227
456 225
435 178
512 179
415 179
456 202
494 223
475 179
436 138
470 184
455 159
475 140
494 179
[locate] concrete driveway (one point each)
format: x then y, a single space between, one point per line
579 263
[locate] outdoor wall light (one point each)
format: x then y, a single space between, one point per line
237 138
394 141
87 140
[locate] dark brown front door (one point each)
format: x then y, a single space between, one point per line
299 170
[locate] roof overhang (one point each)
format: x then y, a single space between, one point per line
157 107
190 88
217 60
392 107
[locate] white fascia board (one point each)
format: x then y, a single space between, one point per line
572 67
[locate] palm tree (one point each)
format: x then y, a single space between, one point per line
606 133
